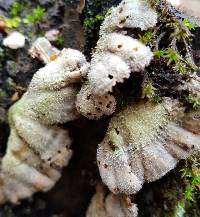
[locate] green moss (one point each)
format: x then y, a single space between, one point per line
91 22
148 38
156 99
180 192
159 54
93 17
149 92
195 102
16 8
36 16
12 22
172 56
2 93
60 40
190 25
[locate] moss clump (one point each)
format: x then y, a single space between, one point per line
92 19
16 8
182 195
170 42
195 102
93 15
149 92
36 15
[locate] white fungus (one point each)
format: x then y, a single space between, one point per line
130 14
14 40
117 55
52 35
94 106
144 142
106 70
191 8
104 204
37 149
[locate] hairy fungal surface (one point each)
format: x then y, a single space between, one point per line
117 55
130 14
37 150
94 106
144 142
104 204
191 10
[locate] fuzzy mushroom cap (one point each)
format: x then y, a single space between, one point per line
67 68
52 92
106 70
191 9
14 40
33 162
136 55
130 14
94 106
37 150
110 205
117 56
144 142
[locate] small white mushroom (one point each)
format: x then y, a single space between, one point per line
106 70
14 40
130 14
104 204
52 35
117 55
94 106
136 55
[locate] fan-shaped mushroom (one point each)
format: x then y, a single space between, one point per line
144 142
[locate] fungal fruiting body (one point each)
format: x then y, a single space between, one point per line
37 149
52 34
130 14
14 40
191 9
110 205
94 106
117 55
43 50
144 142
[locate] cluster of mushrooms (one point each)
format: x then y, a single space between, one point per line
144 141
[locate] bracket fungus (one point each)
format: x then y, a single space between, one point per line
144 142
37 149
130 14
117 55
104 204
